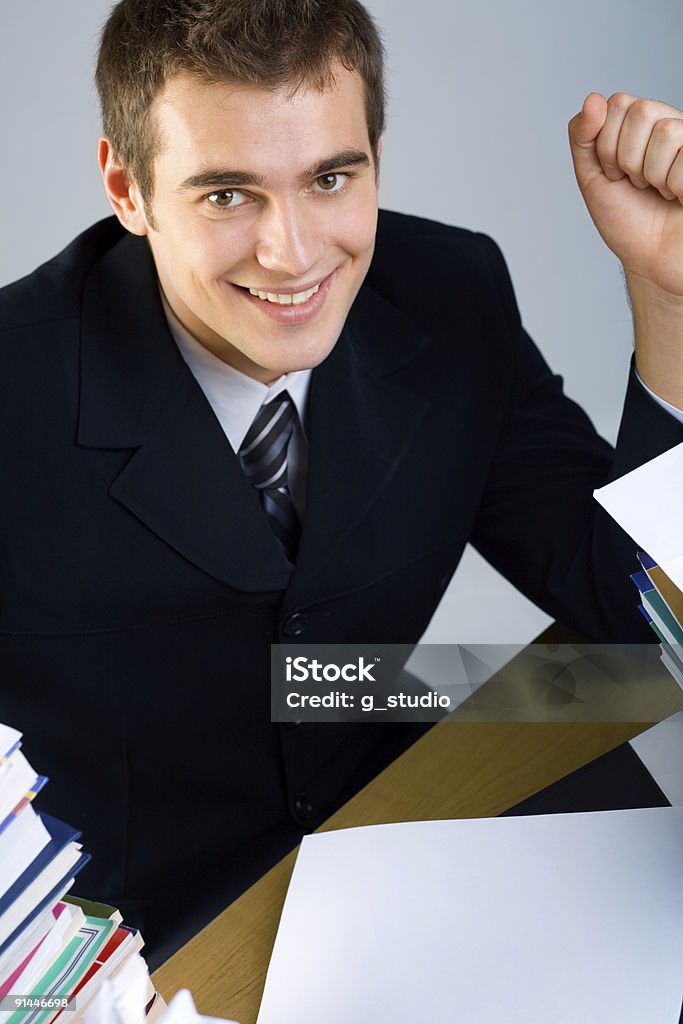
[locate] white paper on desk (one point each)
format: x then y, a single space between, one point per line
648 504
661 751
553 919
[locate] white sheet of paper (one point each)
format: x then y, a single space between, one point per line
648 504
554 919
661 751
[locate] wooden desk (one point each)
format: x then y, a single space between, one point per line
458 769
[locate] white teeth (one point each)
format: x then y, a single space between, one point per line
285 300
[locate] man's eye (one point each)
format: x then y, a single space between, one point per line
227 197
331 182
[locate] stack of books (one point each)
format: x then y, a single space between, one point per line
646 503
55 950
662 606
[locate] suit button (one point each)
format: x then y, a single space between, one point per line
295 624
303 808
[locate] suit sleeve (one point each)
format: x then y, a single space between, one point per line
538 522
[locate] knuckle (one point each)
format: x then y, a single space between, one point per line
620 101
644 110
668 129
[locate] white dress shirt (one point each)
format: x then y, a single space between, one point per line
236 399
675 412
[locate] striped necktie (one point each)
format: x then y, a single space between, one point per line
263 457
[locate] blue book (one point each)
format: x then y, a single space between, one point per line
52 897
645 613
61 835
642 581
646 561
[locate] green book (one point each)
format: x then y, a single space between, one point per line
50 993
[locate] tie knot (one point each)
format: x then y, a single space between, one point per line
263 453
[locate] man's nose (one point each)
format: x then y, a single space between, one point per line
288 241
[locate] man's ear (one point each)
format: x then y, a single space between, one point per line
122 192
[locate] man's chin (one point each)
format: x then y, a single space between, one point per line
298 363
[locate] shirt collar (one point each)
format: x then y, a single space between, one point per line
234 397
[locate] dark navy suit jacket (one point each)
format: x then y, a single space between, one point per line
141 586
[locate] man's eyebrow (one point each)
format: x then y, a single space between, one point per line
347 158
220 177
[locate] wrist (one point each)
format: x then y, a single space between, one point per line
658 327
651 297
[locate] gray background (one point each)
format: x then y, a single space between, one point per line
479 102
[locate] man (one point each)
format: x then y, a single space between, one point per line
226 361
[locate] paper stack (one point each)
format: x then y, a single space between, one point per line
55 950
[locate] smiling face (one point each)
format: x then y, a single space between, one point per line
263 218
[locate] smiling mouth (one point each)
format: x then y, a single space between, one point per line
285 298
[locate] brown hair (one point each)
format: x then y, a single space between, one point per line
272 43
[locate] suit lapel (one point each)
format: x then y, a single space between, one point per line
362 419
183 480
